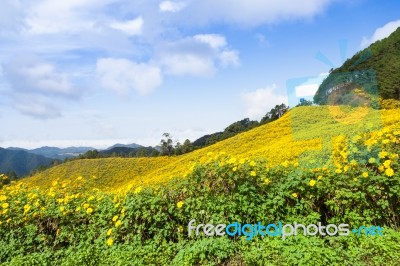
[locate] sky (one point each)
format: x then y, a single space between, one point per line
99 72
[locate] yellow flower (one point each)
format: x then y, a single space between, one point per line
383 154
234 169
253 173
179 204
79 178
267 181
387 163
319 177
89 210
241 161
54 183
285 164
339 171
355 179
137 190
118 223
3 197
346 168
86 205
232 161
109 232
62 208
78 209
252 163
5 205
91 198
381 168
312 182
365 174
27 207
294 195
372 160
115 218
389 172
110 241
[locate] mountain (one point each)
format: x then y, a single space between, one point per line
59 153
21 162
133 146
376 69
230 131
306 131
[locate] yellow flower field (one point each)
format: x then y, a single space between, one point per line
311 129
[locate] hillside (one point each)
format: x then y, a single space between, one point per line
20 161
301 129
376 68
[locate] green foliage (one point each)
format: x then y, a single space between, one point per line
379 64
275 113
232 130
149 225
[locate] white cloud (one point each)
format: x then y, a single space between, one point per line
30 75
130 27
215 41
229 58
188 64
122 75
306 90
198 55
36 85
381 33
48 16
169 6
257 103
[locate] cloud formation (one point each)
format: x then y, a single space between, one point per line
381 33
257 103
35 86
130 27
170 6
199 55
114 41
122 75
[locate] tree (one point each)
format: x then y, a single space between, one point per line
305 103
141 152
178 148
167 147
275 113
187 146
155 153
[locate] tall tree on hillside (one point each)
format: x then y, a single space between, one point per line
187 146
275 113
178 148
167 147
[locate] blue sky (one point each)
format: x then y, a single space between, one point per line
94 73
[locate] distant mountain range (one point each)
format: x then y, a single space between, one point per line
20 161
56 153
23 161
